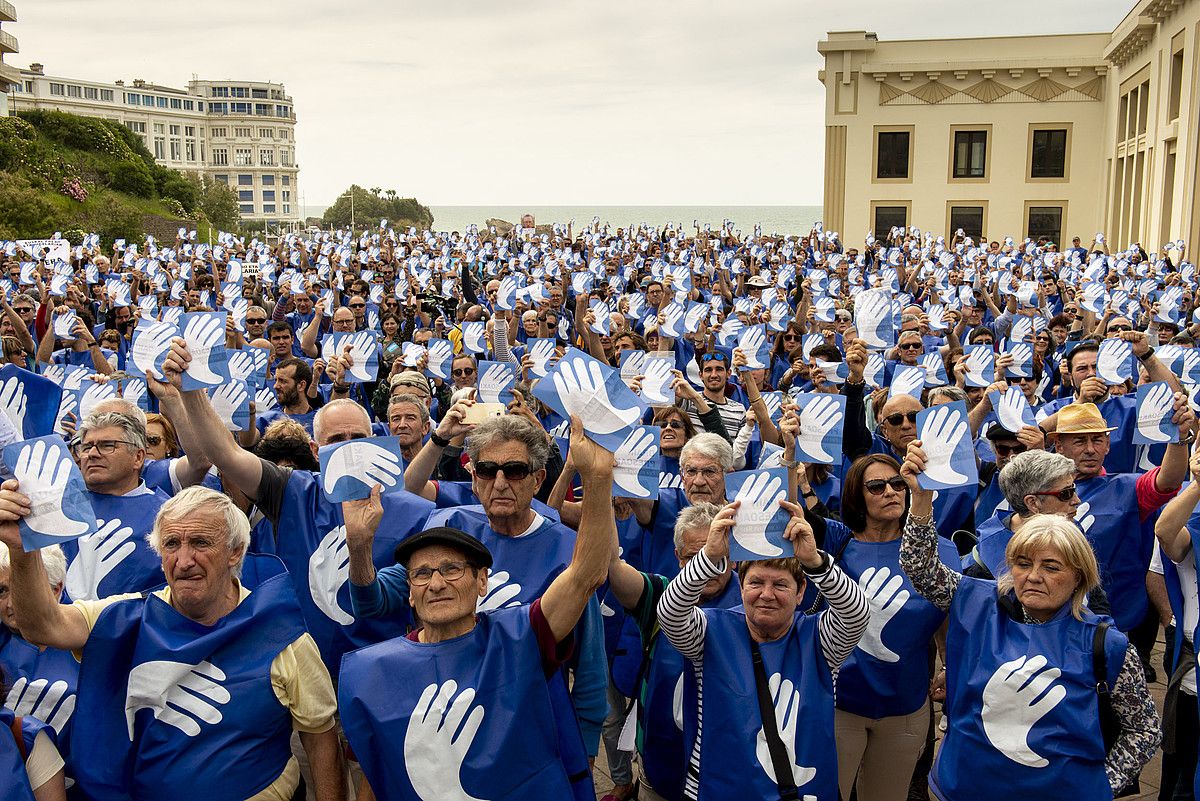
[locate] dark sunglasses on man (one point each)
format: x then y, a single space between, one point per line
513 471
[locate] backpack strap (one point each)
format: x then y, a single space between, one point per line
18 735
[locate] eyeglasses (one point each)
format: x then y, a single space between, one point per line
513 471
674 425
358 305
1119 329
256 321
1064 494
898 418
876 486
155 441
450 571
104 446
713 357
911 346
1013 380
1010 449
706 472
464 371
791 337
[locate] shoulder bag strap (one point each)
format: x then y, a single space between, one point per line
780 760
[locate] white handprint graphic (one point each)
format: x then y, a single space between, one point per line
886 594
150 342
944 428
672 317
134 391
434 746
50 702
691 320
43 472
633 454
99 554
933 366
1013 410
541 353
817 418
66 405
362 349
1112 358
328 570
580 385
181 695
873 372
202 334
752 341
980 364
872 316
364 461
493 382
908 381
656 381
14 402
265 401
787 717
501 593
227 400
241 365
1084 517
93 395
1154 414
439 351
760 496
1016 697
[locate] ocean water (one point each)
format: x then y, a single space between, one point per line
782 219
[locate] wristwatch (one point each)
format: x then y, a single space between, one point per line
1147 356
436 440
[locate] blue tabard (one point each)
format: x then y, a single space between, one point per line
729 767
660 706
495 672
953 508
1061 751
310 538
622 643
990 500
130 566
51 678
991 549
668 475
13 779
1122 543
239 743
1175 595
658 547
888 675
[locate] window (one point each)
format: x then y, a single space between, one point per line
160 148
262 109
1048 158
282 111
220 157
241 133
222 178
238 91
217 133
174 130
889 217
245 180
1045 221
176 149
266 133
190 149
239 108
268 194
176 103
259 93
58 89
287 195
158 128
218 108
1175 90
189 105
243 157
162 102
285 158
970 154
148 100
246 208
969 219
219 91
287 209
74 90
283 134
190 130
246 194
136 127
266 158
269 209
91 92
286 180
199 105
893 155
268 180
130 99
29 87
106 94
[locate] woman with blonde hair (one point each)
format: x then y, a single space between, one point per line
1028 667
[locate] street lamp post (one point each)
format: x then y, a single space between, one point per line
350 192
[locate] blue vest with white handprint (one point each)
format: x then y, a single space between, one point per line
1064 747
48 673
622 643
513 754
126 569
660 738
991 550
13 778
732 757
990 499
233 752
658 547
893 680
305 522
1122 542
1175 593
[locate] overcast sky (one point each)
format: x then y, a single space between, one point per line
464 102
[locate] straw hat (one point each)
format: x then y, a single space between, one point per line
1081 418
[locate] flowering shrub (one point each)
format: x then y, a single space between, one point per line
74 188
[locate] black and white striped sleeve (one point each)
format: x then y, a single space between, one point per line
680 619
845 619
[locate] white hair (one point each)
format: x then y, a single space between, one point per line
52 557
193 500
710 446
337 403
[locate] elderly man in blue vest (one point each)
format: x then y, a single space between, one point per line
192 690
477 712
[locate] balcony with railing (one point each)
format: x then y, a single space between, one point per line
10 74
8 12
8 43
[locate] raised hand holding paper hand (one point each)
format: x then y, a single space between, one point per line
945 438
820 414
1113 361
151 343
349 469
907 380
657 380
229 400
580 386
980 361
49 478
440 732
13 401
1013 410
636 464
542 352
495 380
204 333
759 523
1155 408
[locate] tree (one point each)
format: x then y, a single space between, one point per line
371 205
217 203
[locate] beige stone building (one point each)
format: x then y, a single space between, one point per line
1056 136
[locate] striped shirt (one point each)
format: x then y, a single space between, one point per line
840 627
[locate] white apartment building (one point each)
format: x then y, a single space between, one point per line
242 133
9 75
1055 136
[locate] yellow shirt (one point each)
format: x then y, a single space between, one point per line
298 677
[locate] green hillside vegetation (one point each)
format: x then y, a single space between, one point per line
373 205
62 172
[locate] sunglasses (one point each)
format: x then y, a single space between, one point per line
791 337
1119 329
1009 449
155 441
898 418
513 471
1064 494
876 486
911 346
464 371
675 425
1014 380
713 357
358 305
256 320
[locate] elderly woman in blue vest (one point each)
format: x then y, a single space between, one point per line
883 687
196 687
1021 662
749 736
474 714
31 768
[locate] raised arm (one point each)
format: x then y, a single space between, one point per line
1171 528
918 548
420 469
308 337
568 595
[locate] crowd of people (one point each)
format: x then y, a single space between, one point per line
503 604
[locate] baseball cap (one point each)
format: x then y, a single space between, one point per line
474 550
409 378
